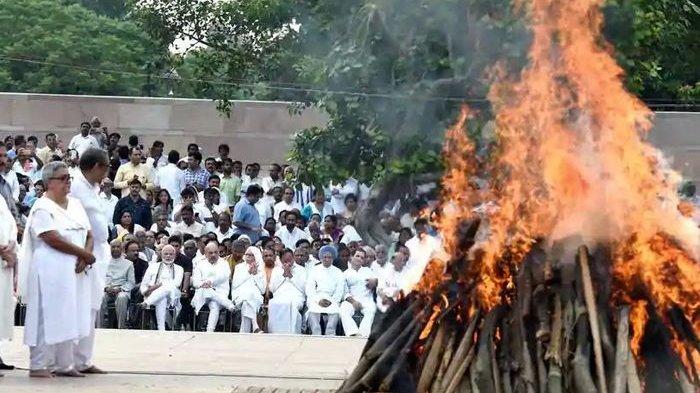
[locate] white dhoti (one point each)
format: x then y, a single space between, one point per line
162 298
347 311
57 356
214 300
283 315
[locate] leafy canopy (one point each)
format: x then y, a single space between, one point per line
46 32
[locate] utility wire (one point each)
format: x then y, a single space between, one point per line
292 87
269 85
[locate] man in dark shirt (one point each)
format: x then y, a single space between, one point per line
132 253
182 260
140 210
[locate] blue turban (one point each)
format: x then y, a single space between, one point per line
328 249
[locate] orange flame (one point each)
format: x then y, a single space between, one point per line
571 159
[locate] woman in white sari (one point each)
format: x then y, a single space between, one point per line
247 288
56 254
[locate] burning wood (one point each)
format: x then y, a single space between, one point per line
522 305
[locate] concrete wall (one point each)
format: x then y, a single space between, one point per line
678 135
255 131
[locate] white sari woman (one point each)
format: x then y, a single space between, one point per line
247 288
56 250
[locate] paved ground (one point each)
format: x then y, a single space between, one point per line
190 362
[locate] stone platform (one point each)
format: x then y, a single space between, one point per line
140 360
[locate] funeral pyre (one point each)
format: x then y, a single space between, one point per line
576 272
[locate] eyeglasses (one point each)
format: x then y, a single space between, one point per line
64 178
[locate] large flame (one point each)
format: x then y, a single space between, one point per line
571 159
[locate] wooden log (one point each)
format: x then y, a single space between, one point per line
495 372
633 384
459 376
619 382
400 361
460 353
582 382
541 368
483 371
380 345
431 362
504 353
371 378
589 297
446 358
553 355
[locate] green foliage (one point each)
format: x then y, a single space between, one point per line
658 44
49 32
110 8
391 73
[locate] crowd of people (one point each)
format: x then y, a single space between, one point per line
103 234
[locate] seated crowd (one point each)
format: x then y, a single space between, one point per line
209 244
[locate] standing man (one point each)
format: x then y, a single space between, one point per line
230 184
85 187
84 140
171 178
133 170
157 160
195 175
51 149
246 218
139 207
8 261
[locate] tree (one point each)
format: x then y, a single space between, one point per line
391 74
657 44
111 8
49 47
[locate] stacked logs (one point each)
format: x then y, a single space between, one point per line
557 332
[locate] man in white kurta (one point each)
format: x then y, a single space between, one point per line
85 187
8 260
392 282
287 285
325 287
290 234
360 281
118 284
247 287
210 280
160 285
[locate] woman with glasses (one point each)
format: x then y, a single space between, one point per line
57 248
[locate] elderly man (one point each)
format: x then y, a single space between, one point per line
380 259
287 285
161 285
211 282
133 170
393 281
360 282
57 244
119 283
85 187
325 287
